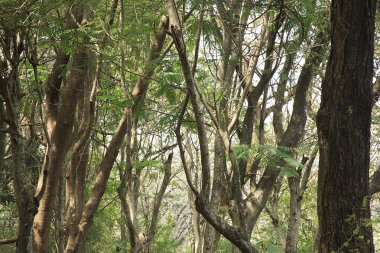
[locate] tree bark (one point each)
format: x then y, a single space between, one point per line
60 142
77 168
374 185
107 163
236 236
297 187
211 236
10 91
158 201
60 111
343 123
59 225
291 136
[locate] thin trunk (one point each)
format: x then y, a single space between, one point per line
158 201
291 136
211 236
297 188
22 180
254 95
198 229
123 225
123 234
294 214
274 213
176 33
77 170
237 236
139 93
3 135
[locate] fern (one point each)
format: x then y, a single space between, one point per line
271 156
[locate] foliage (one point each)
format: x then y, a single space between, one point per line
164 241
118 55
271 156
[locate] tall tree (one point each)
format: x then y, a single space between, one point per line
343 123
12 41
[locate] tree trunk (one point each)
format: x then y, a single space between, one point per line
59 225
60 110
297 188
60 142
343 123
22 185
139 93
294 216
211 236
291 136
77 168
3 136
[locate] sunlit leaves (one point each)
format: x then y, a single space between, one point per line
270 156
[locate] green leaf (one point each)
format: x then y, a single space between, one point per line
272 248
292 162
289 172
171 95
242 152
146 163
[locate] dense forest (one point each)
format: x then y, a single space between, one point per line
193 126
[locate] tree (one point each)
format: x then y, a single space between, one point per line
343 122
193 132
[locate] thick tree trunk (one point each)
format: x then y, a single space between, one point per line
60 110
3 135
343 123
59 225
60 142
77 168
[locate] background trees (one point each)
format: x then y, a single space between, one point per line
184 126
